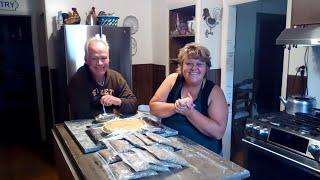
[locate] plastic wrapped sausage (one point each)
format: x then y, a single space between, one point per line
166 155
162 140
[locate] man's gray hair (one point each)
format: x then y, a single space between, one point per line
94 39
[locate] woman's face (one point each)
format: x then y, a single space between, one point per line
98 59
194 70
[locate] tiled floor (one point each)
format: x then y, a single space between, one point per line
24 162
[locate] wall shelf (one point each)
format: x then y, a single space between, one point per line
173 59
179 40
182 35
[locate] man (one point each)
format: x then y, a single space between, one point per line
95 85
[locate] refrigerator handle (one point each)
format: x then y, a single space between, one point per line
100 31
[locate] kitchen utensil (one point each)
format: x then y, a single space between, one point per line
106 20
104 111
191 26
297 103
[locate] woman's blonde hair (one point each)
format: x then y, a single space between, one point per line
193 51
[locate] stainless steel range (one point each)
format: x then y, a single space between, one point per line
295 139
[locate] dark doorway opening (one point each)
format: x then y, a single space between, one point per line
268 62
18 93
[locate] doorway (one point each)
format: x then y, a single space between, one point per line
18 93
268 62
257 65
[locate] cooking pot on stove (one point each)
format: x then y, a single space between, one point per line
296 103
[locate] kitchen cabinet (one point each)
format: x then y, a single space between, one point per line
305 12
180 32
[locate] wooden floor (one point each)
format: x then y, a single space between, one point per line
27 162
238 148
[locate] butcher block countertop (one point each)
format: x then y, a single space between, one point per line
73 163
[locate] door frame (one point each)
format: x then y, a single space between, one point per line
257 63
36 60
227 61
228 35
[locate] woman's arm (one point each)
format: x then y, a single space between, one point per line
158 105
215 124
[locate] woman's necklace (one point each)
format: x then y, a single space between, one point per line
194 94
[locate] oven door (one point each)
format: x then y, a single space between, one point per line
268 161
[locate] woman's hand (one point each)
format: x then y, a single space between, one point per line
109 100
184 106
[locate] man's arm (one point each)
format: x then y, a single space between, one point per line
128 99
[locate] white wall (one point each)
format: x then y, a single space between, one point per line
295 59
212 42
314 74
141 9
152 37
246 32
160 31
174 4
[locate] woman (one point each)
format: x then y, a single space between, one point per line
188 102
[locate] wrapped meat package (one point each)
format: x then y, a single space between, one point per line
134 140
120 145
139 163
109 155
166 155
144 139
162 140
151 159
122 171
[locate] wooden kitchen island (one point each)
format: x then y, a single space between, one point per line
72 163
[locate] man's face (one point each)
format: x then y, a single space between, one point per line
98 59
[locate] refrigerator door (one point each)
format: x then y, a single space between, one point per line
120 51
75 37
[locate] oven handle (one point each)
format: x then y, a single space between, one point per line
278 154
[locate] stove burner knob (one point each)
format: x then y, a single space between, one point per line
255 131
315 151
256 128
249 125
264 133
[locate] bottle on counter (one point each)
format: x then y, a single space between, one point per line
178 23
59 20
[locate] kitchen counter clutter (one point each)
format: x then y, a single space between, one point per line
151 150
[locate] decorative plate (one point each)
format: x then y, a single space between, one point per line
133 46
132 22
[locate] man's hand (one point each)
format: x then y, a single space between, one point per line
109 100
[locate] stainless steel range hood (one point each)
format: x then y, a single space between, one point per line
304 36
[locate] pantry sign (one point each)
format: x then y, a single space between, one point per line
9 5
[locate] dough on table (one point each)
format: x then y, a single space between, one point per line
124 125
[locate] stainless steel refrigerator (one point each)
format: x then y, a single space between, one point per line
70 49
